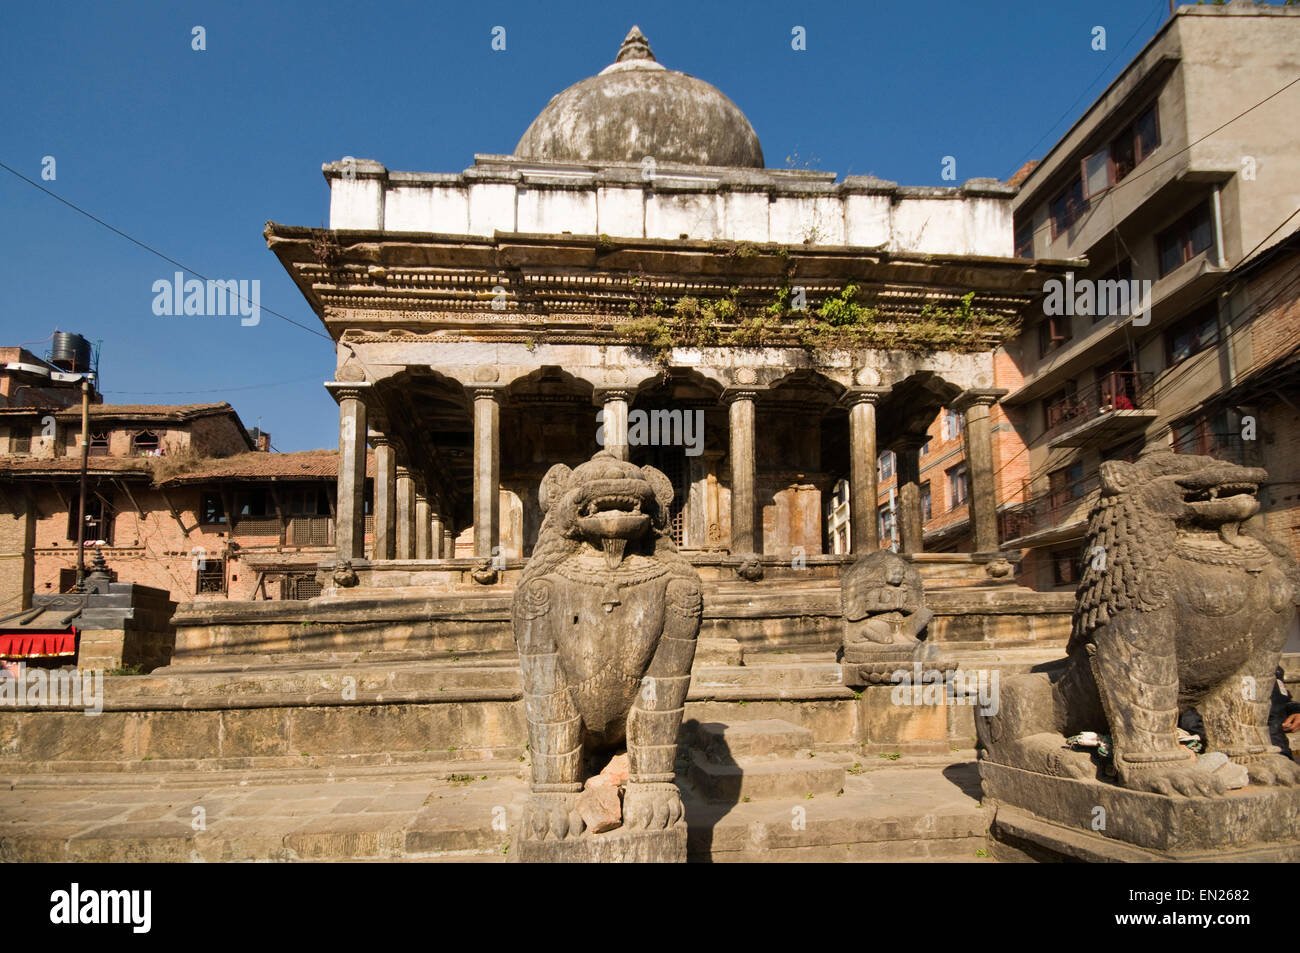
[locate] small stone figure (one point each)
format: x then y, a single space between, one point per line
883 602
606 617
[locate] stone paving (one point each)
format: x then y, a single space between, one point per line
917 809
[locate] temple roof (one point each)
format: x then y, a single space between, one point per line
636 108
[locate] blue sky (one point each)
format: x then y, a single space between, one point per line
192 152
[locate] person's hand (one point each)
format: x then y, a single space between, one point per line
1291 723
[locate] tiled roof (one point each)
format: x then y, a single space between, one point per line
25 464
304 465
163 411
1023 173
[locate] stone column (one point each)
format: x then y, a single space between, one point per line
911 528
487 470
448 541
864 494
983 504
350 519
741 416
405 534
614 402
435 533
422 525
385 545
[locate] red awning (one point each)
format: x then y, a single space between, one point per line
38 644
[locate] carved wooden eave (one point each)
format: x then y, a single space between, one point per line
578 289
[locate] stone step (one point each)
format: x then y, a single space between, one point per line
756 779
904 812
768 738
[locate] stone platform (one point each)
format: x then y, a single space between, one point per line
912 809
373 709
1054 818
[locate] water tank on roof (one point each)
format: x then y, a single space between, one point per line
70 352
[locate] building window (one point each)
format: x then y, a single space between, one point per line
1206 435
1066 484
885 523
1109 166
1185 239
925 449
1068 207
885 465
1067 567
958 485
953 424
212 510
1025 238
98 443
1053 331
146 443
20 440
99 520
1192 335
1060 406
927 512
210 577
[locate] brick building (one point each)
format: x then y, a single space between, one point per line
180 498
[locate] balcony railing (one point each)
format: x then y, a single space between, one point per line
1118 391
1057 507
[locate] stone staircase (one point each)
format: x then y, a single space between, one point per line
753 760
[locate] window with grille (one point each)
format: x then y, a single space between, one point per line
301 586
211 577
99 519
20 440
98 443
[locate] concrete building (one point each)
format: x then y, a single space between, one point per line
1165 190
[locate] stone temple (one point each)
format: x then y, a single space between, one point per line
635 257
598 403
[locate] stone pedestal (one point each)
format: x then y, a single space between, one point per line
619 846
1044 817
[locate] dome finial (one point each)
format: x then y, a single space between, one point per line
635 47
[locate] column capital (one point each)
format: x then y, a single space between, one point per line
345 390
601 394
403 473
863 395
480 391
732 394
908 442
973 397
379 439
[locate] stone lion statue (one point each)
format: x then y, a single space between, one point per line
1184 603
606 617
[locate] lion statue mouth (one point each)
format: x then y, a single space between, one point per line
1223 501
610 514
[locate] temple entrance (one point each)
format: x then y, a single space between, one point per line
671 461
